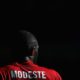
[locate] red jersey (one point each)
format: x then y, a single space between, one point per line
27 71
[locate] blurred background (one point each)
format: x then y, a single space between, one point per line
51 23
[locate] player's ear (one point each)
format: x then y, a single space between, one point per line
33 52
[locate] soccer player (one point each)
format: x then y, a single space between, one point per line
23 66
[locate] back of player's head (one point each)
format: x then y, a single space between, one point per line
25 43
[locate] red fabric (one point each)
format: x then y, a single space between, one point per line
5 72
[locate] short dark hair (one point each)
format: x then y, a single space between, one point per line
23 42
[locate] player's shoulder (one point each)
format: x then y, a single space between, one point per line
48 69
5 68
2 68
52 72
57 75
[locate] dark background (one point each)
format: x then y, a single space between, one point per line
50 22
